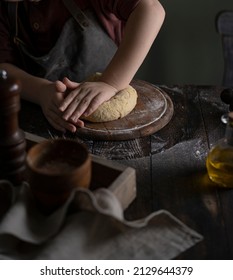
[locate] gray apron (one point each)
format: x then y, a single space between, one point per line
82 49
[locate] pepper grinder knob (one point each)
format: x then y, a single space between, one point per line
3 74
12 140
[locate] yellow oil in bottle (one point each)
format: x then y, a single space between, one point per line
219 161
219 165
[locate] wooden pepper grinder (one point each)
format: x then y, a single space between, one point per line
12 140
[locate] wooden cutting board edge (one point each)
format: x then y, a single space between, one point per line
145 130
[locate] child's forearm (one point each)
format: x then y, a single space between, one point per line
141 29
33 88
48 95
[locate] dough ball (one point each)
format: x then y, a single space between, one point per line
120 105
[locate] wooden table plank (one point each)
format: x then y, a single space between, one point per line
118 150
32 120
222 213
173 132
143 204
170 167
179 178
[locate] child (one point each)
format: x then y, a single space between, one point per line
52 50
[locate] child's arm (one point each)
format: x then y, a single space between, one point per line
47 94
141 29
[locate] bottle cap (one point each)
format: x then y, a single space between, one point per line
227 95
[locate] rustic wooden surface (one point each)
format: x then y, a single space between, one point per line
153 111
170 167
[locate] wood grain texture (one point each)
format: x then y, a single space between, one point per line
170 169
179 178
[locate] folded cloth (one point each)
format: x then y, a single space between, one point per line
90 225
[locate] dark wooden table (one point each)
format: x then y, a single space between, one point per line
170 167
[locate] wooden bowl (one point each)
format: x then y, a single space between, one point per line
55 168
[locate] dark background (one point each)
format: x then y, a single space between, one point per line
188 49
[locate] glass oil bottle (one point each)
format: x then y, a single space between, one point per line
219 162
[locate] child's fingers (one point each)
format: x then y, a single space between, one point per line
60 87
79 123
73 91
70 84
67 101
62 125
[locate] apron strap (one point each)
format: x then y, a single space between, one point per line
12 17
77 14
12 10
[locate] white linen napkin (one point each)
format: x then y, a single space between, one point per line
90 225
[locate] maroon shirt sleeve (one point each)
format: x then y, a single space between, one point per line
113 15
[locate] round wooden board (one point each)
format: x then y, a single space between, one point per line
153 111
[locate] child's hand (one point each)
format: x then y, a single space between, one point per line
51 98
84 98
